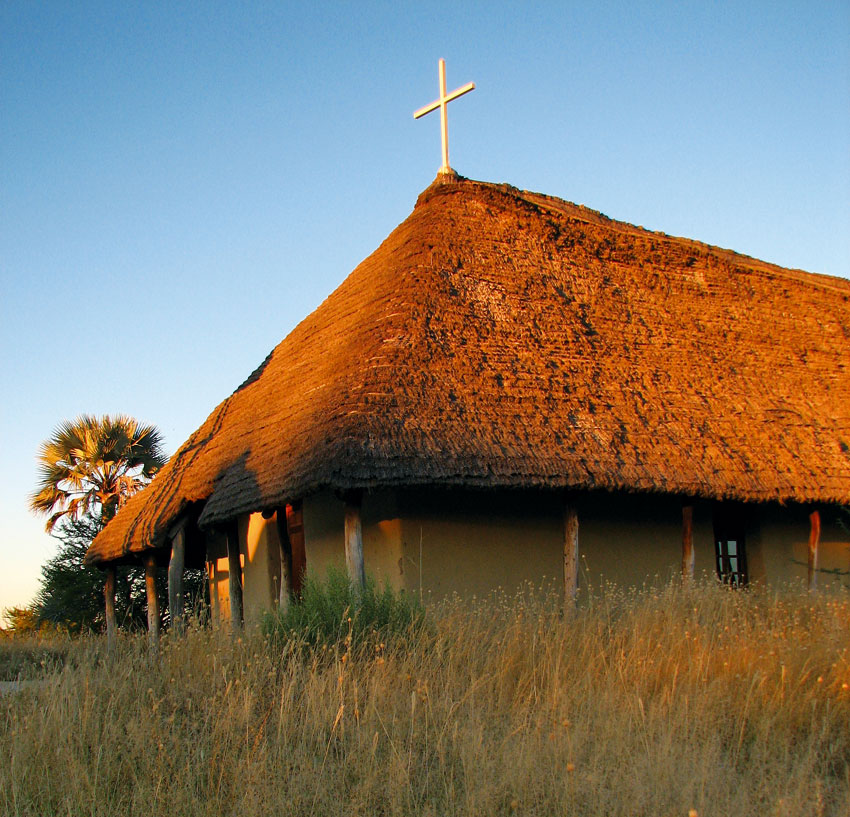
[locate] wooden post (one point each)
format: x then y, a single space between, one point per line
215 613
298 553
814 542
285 553
153 601
570 553
688 542
175 577
285 591
354 540
109 598
234 570
283 597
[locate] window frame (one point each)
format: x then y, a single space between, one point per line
730 529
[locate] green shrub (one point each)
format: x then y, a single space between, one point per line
332 612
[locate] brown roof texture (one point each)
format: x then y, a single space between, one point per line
500 338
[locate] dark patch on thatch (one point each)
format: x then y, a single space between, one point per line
257 373
507 339
237 483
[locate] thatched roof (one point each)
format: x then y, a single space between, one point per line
501 338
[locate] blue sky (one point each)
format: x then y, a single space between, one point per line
180 184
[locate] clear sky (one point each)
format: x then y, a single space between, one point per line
181 183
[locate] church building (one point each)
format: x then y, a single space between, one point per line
514 388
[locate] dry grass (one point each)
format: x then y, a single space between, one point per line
646 704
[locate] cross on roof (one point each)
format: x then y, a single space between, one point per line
441 103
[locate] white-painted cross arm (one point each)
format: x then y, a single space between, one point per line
427 109
470 86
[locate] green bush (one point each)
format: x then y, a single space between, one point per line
332 612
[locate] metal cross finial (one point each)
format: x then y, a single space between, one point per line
441 103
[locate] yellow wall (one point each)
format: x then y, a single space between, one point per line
218 574
259 554
474 542
440 542
324 536
259 548
471 543
785 538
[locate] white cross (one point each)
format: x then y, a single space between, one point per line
441 103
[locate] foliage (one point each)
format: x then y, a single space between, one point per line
20 621
88 469
333 612
71 594
91 466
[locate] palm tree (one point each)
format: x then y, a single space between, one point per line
91 466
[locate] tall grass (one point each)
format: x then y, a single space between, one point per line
648 703
332 612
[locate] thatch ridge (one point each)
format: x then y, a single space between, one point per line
500 338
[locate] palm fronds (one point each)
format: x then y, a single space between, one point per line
90 466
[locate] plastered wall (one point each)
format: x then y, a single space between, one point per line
259 554
219 576
470 543
259 547
438 543
785 544
324 536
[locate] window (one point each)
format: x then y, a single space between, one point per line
730 544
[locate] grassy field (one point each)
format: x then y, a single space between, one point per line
652 703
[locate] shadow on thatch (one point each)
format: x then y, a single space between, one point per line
236 485
256 374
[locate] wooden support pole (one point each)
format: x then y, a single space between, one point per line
109 599
295 532
212 587
285 548
293 559
175 579
688 542
234 570
284 596
814 542
153 601
354 540
570 553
